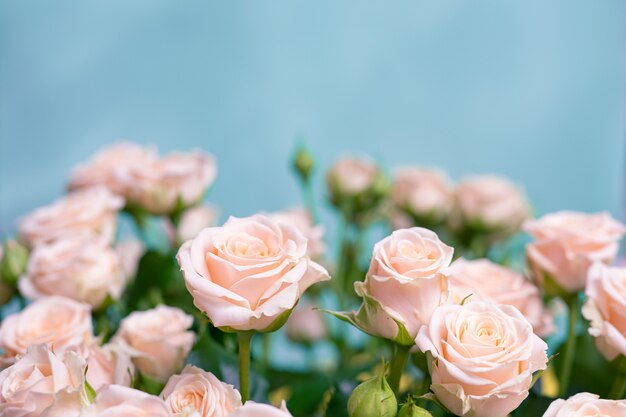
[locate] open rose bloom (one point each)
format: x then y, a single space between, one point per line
249 273
585 404
424 193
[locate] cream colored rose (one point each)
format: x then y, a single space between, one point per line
567 243
300 219
406 281
482 357
111 167
119 401
196 393
491 202
61 323
176 180
586 405
249 273
109 364
488 281
605 308
159 338
306 324
252 409
31 386
89 211
351 176
422 192
82 268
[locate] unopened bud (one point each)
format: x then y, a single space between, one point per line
373 398
14 260
303 163
411 410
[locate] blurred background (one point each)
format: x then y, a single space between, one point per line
533 90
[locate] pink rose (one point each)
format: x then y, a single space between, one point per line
606 309
82 268
351 176
61 323
89 211
31 386
586 404
119 401
249 273
199 394
481 357
194 219
130 252
406 281
422 192
300 219
491 202
306 324
176 180
109 364
488 281
111 167
252 409
567 243
159 339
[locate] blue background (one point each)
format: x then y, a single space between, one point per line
530 89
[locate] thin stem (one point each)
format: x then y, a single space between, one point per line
619 387
244 364
398 363
570 346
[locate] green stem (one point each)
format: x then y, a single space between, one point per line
619 387
570 346
398 363
244 364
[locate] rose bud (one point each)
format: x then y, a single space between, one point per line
410 409
249 273
566 244
373 397
252 409
303 163
13 261
586 404
119 401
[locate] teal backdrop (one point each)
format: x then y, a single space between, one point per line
530 89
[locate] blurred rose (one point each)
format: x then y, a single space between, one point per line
488 281
352 176
586 404
567 243
82 268
159 339
407 278
119 401
30 386
178 179
252 409
606 309
111 167
422 192
199 394
89 211
194 219
306 325
130 252
249 273
109 364
491 202
61 323
301 220
483 357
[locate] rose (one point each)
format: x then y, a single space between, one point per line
193 220
586 404
306 325
200 394
91 211
119 401
111 167
63 324
300 219
109 364
351 176
481 357
158 338
492 203
173 182
487 281
406 281
32 385
130 252
422 192
82 268
248 274
252 409
567 243
606 309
